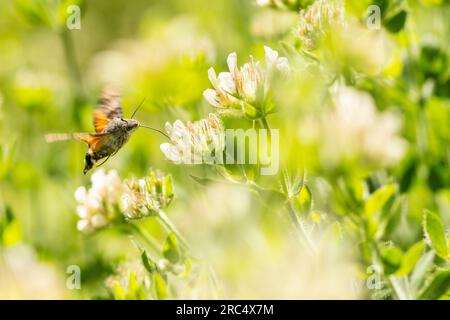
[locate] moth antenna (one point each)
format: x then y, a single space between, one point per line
150 128
137 108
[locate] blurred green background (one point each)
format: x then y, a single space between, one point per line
51 78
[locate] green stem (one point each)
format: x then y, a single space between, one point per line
392 281
299 226
402 290
296 221
213 278
71 61
265 123
144 238
74 73
171 228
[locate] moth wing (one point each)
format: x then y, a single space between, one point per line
100 121
55 137
109 107
94 141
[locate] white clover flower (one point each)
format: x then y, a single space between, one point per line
223 92
134 199
317 18
245 86
247 79
146 196
96 206
196 142
106 185
274 62
356 130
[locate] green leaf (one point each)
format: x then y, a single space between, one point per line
135 290
438 286
12 234
356 188
250 111
372 227
285 182
10 229
433 62
37 13
382 4
159 286
303 201
271 197
410 259
118 291
187 268
407 174
378 199
203 180
149 265
434 231
397 22
390 219
168 186
250 171
392 258
170 249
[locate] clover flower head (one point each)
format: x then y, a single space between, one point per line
96 205
245 86
195 142
317 18
354 130
247 79
143 197
274 62
133 201
130 280
224 90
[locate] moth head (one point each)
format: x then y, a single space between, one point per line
131 124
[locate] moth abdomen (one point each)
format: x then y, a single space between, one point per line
88 162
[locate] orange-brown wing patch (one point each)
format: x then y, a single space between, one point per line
100 121
94 141
109 107
89 139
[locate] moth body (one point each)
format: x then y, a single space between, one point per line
112 131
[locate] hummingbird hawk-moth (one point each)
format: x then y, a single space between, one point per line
112 131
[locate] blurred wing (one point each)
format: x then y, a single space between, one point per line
109 107
95 141
55 137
